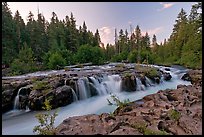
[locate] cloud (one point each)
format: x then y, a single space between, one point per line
107 35
153 31
165 6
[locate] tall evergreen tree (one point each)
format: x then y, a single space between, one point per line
9 47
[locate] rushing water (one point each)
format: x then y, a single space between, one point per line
21 122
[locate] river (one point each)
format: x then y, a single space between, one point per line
21 122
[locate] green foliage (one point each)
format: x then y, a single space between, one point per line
67 55
117 102
151 73
127 74
120 57
132 57
86 54
9 48
185 44
58 43
56 61
120 65
46 121
40 85
25 62
174 114
148 71
142 128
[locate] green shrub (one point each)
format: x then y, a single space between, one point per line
87 53
174 114
56 61
132 57
46 121
142 128
25 63
117 102
39 85
150 72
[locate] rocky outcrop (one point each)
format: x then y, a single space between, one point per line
173 112
10 89
195 76
128 83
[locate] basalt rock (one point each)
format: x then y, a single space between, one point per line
129 83
167 76
195 76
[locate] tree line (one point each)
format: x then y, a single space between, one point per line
184 47
41 45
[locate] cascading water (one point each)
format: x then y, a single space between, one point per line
93 105
139 84
148 81
74 95
83 88
99 88
16 101
65 82
112 83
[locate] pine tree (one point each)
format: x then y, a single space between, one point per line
97 39
9 47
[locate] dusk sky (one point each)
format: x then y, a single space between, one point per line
154 17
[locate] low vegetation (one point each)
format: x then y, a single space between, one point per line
174 115
41 85
142 128
46 121
148 71
117 102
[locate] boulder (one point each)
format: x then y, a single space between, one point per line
7 100
129 83
195 76
62 97
167 76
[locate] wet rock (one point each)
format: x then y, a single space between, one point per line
63 96
186 77
167 69
7 100
157 80
129 83
167 76
195 76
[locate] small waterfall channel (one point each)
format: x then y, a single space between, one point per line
16 100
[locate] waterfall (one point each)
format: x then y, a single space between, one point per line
111 84
27 109
83 88
139 84
74 95
148 81
98 86
16 101
65 82
88 91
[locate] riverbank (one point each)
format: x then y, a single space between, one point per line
171 111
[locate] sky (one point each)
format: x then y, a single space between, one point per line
153 17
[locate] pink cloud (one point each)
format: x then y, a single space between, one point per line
107 35
165 5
